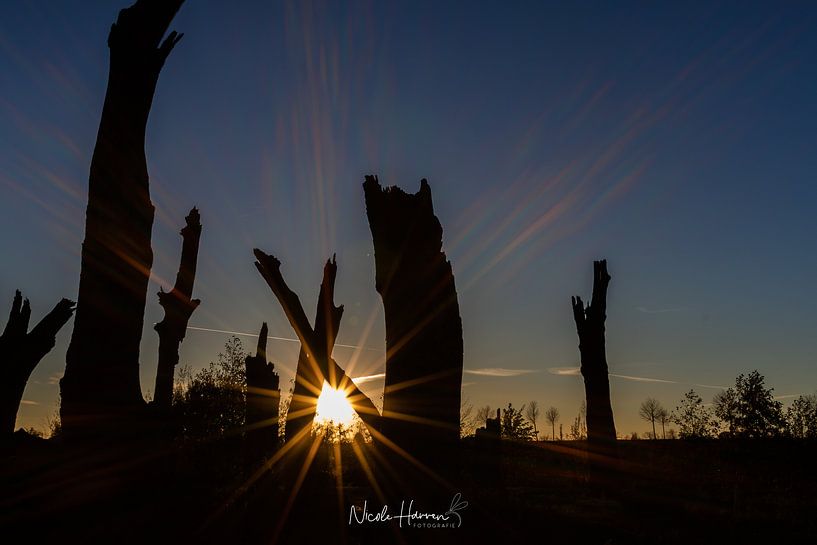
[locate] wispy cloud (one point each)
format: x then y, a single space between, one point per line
54 379
464 384
646 310
28 402
787 396
368 378
564 371
500 372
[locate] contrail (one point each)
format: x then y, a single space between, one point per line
575 371
499 372
285 339
368 378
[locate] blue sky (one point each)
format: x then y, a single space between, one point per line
678 141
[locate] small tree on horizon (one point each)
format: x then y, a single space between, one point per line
514 425
759 413
578 429
694 420
801 418
725 404
483 414
468 422
650 411
664 417
552 415
532 414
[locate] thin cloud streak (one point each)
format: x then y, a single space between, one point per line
499 372
564 371
576 371
368 378
787 396
642 379
285 339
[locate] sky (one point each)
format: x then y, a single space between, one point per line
678 141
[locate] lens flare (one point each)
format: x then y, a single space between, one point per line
333 406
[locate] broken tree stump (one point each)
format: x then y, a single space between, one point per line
424 347
318 364
590 327
489 444
101 382
21 350
178 306
308 378
262 402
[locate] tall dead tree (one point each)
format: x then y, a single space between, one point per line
178 306
308 377
21 350
315 363
424 348
263 400
590 327
101 381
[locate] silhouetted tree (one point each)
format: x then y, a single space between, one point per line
578 429
424 347
754 410
552 415
308 378
468 421
484 413
316 344
801 418
101 381
514 425
694 420
663 417
211 403
21 350
532 414
178 306
725 404
650 411
263 401
590 327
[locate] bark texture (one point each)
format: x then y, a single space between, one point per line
424 347
263 400
590 327
178 306
101 382
21 350
315 363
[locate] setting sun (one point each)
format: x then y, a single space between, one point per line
333 406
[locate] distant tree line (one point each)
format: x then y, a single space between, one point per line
746 410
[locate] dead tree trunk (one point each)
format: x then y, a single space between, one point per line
316 363
21 350
263 399
424 348
590 326
308 377
101 381
178 306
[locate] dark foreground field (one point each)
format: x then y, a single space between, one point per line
655 492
